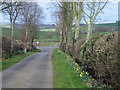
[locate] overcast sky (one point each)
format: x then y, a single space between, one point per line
110 13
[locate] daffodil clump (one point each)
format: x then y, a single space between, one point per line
80 72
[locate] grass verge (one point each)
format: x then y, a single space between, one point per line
11 61
63 75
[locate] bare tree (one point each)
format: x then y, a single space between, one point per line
65 20
5 6
70 13
77 12
12 10
31 15
91 11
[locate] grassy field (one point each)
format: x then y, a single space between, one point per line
63 75
46 35
11 61
51 35
109 27
47 44
50 30
7 32
48 40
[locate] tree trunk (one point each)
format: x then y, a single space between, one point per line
77 30
32 40
25 50
89 33
32 44
63 37
12 31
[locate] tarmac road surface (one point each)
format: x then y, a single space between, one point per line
34 71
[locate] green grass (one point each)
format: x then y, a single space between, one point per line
47 40
11 61
48 36
6 26
43 35
46 44
7 32
63 75
51 30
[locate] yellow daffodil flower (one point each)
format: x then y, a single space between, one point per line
87 73
76 64
77 69
80 75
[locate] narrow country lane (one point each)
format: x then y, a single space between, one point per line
35 71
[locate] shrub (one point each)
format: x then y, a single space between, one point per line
20 52
100 56
6 46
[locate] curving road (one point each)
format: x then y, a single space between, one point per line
34 71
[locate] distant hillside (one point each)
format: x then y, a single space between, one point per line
97 28
107 27
110 25
41 26
47 26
